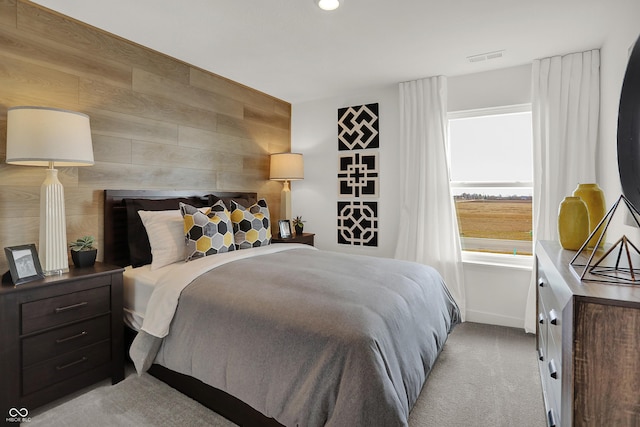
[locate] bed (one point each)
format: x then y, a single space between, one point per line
278 334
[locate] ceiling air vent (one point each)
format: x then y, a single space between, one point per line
486 56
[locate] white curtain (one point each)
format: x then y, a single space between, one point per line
428 225
565 114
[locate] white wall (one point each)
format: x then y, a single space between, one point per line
314 132
506 86
614 56
495 294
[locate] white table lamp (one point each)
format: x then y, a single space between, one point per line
286 167
41 136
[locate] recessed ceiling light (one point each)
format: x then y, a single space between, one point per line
328 4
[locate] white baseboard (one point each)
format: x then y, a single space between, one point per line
494 319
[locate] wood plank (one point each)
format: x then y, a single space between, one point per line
13 175
268 118
96 42
20 201
151 84
24 201
233 90
82 201
101 95
283 109
271 187
8 13
112 175
42 51
279 146
228 181
256 163
257 132
15 232
21 80
111 149
121 125
146 153
207 140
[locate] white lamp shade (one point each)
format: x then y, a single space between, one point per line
37 136
286 167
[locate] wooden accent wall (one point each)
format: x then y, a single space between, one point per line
156 122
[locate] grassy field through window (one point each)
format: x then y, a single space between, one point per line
501 219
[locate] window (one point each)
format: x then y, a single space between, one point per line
492 179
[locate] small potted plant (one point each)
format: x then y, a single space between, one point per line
83 253
298 224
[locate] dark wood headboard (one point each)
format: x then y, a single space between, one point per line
116 245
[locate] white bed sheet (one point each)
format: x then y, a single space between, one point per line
139 284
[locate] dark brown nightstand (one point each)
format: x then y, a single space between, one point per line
306 238
60 334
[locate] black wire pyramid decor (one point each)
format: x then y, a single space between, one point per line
616 264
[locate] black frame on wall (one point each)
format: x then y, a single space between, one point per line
358 175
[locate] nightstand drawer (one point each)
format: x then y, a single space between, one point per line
50 312
66 366
64 340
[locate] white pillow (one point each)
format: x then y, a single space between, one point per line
166 236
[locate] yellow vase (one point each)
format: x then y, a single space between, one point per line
593 197
573 223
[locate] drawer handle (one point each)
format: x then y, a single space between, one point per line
540 354
541 318
71 307
541 283
553 317
553 372
68 365
73 337
551 418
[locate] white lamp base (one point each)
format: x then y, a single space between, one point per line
285 202
52 250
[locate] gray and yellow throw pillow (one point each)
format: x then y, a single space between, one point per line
209 232
251 226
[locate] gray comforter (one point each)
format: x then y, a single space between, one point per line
311 338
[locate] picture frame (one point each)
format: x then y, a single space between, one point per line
24 263
285 228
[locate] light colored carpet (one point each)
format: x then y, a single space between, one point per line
485 376
136 401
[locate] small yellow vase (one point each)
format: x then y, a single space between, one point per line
573 223
593 197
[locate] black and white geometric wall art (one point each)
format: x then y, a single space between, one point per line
358 174
358 127
358 223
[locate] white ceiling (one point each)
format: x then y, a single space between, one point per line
294 51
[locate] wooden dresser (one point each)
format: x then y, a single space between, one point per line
588 339
59 334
